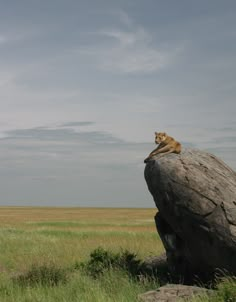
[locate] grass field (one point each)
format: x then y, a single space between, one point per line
45 254
62 237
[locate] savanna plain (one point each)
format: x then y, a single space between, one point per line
44 252
80 254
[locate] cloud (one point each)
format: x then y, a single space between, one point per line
64 133
58 166
75 124
130 50
131 53
23 107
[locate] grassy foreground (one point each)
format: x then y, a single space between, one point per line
47 254
57 240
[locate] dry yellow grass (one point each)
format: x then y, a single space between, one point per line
20 215
65 235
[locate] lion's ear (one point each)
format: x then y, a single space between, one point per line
155 133
164 134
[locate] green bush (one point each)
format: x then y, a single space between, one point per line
102 260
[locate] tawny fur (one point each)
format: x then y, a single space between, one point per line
166 144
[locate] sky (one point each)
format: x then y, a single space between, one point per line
85 84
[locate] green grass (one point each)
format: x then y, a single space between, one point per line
111 286
225 291
44 253
41 250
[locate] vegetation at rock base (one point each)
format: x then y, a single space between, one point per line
225 291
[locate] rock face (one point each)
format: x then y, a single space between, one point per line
173 293
195 193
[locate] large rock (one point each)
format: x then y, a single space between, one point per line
174 293
195 193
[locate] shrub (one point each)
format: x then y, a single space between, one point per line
102 260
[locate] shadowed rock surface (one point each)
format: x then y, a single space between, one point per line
195 193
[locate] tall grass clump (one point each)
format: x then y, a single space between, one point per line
226 290
43 275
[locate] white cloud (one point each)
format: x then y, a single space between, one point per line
22 107
131 53
128 51
57 164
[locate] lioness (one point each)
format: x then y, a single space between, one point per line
166 144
